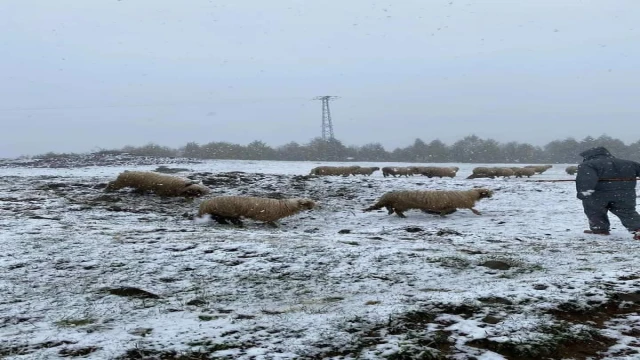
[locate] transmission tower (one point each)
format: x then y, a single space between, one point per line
327 125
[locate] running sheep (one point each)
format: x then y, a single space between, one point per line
571 170
491 172
521 172
334 170
539 169
233 208
441 202
483 172
161 185
393 171
504 172
434 171
367 171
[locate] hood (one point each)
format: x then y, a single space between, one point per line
595 152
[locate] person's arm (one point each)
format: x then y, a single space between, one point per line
586 181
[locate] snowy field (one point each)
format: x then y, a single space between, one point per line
127 276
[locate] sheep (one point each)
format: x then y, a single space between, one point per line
420 170
434 201
162 185
334 170
393 171
232 208
539 169
520 172
367 171
434 171
572 170
504 172
483 172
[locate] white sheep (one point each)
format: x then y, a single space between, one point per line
539 169
233 208
367 171
432 201
572 170
162 185
483 172
393 171
334 170
521 172
435 171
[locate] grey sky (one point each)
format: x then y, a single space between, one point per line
77 74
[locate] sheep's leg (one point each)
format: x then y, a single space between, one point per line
272 224
439 212
475 211
400 213
373 207
389 209
219 219
236 221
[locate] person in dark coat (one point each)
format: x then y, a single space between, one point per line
600 196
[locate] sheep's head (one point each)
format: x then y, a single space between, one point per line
110 186
484 193
306 204
375 168
195 190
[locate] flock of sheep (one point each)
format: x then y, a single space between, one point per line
225 209
430 171
437 171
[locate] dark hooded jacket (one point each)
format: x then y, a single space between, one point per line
600 164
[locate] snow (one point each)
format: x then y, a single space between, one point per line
303 289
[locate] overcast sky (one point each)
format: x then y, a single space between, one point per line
77 75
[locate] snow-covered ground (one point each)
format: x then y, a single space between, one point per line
521 280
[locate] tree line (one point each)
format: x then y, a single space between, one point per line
470 149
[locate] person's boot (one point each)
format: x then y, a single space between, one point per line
597 232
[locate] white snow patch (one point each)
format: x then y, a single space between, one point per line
587 192
302 288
